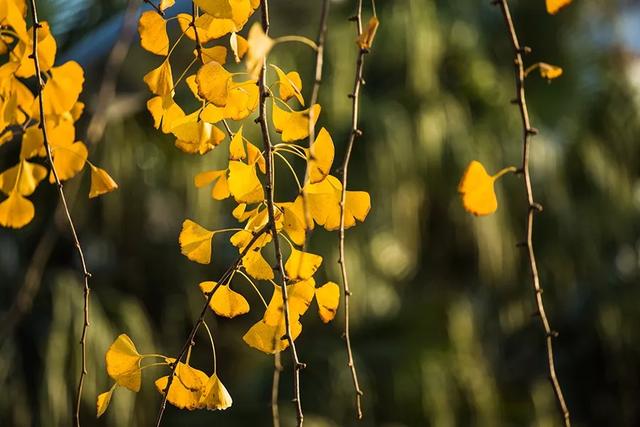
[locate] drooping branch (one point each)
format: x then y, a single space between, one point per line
269 190
43 127
532 206
189 343
354 133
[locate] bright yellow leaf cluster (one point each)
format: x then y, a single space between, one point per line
190 389
20 117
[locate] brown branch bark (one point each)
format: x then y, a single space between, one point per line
226 276
355 133
532 206
63 200
268 148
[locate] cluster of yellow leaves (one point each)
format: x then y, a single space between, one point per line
20 116
190 389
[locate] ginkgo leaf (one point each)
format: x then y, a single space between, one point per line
554 6
102 403
101 182
365 41
220 9
328 298
12 15
290 84
244 184
47 49
302 265
197 136
321 156
238 46
323 201
23 177
165 112
243 100
548 71
68 159
166 4
215 395
213 83
294 125
259 45
476 188
62 90
236 147
220 190
216 54
293 220
195 242
254 156
153 33
123 363
268 338
299 297
186 388
160 80
16 211
256 266
225 302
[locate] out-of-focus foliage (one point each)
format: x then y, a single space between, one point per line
442 305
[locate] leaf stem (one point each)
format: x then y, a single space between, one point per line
299 39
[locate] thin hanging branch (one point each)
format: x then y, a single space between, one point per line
275 388
63 200
532 205
269 187
189 343
355 133
320 42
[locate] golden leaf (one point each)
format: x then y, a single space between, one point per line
123 363
195 242
225 302
328 298
101 182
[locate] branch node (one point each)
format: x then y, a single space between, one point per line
553 334
532 131
536 207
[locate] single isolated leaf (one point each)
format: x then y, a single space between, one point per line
321 156
68 159
195 242
166 4
554 6
256 266
16 211
294 125
268 338
62 90
476 188
102 402
160 80
225 302
215 395
290 85
123 363
328 298
153 33
101 182
549 72
302 265
365 41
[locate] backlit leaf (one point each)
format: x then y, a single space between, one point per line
290 85
160 80
102 403
244 184
225 302
195 242
153 33
213 83
549 72
62 90
101 182
302 265
16 211
476 188
328 298
294 125
215 395
123 363
365 41
259 45
554 6
165 112
321 156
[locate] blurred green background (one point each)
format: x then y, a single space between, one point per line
442 309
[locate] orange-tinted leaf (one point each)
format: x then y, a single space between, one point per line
153 33
101 182
328 298
195 242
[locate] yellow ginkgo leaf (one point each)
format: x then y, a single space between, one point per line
16 211
323 201
254 156
62 90
195 242
101 182
197 136
213 83
23 177
244 184
123 363
166 4
259 45
12 15
256 266
186 388
554 6
268 338
47 49
153 33
476 188
102 403
328 298
365 41
220 189
302 265
290 84
236 148
160 80
321 156
68 159
225 302
215 395
299 297
238 46
216 54
243 100
293 220
548 71
294 125
165 112
219 9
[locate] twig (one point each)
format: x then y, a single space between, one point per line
195 31
275 385
355 132
63 200
269 187
226 276
155 7
532 206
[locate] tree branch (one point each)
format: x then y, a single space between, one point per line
532 207
63 200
